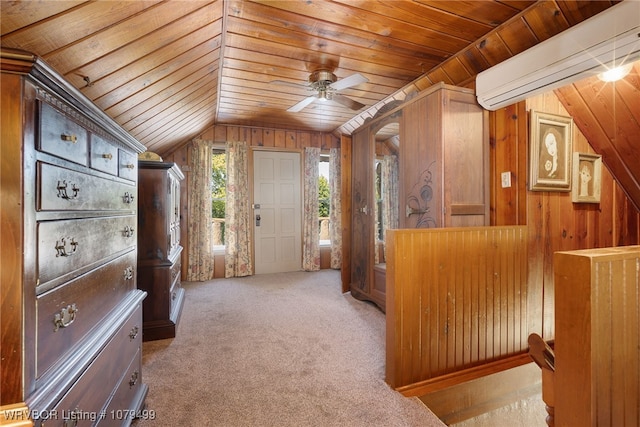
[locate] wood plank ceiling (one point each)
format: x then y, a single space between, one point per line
167 70
608 115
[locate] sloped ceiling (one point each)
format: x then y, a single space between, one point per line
608 115
167 70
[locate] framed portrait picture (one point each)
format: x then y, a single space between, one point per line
550 156
587 178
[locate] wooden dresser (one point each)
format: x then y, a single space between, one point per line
71 314
159 247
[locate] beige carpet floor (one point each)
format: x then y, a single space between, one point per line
275 350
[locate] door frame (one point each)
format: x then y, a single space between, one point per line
252 150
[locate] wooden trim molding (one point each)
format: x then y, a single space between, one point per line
463 376
15 415
468 209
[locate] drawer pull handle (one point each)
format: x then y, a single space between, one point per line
174 295
62 190
127 198
69 137
66 317
128 231
128 273
107 156
134 379
134 333
410 211
130 166
61 247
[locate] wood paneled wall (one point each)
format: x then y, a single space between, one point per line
262 138
555 223
456 299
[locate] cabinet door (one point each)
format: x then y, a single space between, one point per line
362 242
420 164
466 161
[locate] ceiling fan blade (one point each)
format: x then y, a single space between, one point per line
286 83
300 105
352 80
347 102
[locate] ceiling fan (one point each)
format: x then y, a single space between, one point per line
326 85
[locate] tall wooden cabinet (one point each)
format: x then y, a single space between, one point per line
159 247
71 314
443 177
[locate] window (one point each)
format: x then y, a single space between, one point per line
218 195
324 199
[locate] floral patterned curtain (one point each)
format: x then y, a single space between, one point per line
377 206
310 231
200 259
389 177
335 208
237 213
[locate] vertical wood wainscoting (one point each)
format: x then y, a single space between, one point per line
597 357
456 302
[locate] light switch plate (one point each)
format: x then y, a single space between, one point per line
506 179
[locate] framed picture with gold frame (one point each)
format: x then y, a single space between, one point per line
550 157
587 178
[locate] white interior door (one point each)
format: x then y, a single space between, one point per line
277 212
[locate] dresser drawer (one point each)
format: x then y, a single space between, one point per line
67 313
175 287
104 155
61 136
128 166
70 247
86 399
175 273
119 412
64 189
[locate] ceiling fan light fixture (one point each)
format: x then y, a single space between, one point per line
326 85
323 95
615 73
322 77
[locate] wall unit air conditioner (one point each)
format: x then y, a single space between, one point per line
608 39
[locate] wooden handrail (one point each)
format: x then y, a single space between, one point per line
544 356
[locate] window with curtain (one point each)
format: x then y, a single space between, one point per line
324 200
323 222
218 196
